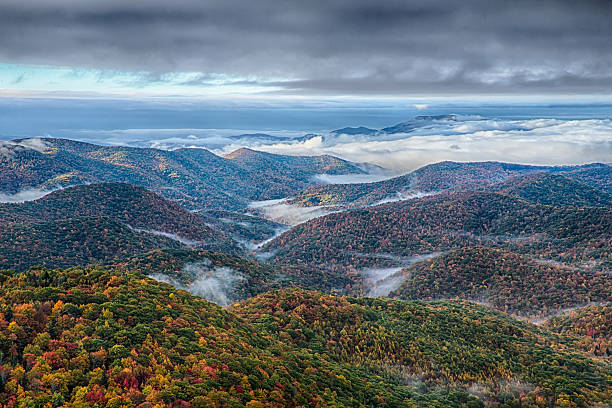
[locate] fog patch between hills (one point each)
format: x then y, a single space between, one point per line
382 281
544 319
288 214
182 240
25 195
8 147
403 196
352 178
214 284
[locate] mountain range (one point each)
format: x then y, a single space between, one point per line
145 278
194 178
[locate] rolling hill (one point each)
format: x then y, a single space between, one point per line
599 177
553 189
429 343
504 280
97 338
73 241
369 237
98 222
591 324
133 206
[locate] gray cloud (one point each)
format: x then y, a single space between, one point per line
329 47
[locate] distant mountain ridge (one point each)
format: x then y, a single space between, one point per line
402 127
195 178
418 122
453 176
360 130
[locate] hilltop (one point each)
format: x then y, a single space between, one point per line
90 223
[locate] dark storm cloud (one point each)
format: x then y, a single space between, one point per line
338 47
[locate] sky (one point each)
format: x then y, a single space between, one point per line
531 80
316 49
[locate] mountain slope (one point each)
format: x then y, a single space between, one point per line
553 189
223 278
303 167
87 338
359 238
133 206
591 324
504 280
95 337
195 178
430 343
217 277
599 177
73 241
96 223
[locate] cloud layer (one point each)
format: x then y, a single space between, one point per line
534 141
357 47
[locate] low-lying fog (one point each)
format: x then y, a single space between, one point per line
288 214
213 283
382 281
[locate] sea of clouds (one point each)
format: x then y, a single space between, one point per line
535 141
545 141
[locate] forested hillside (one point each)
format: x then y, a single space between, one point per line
553 189
74 241
94 337
429 343
357 239
131 205
96 223
591 324
217 276
504 280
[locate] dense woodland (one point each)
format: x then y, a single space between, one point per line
76 241
87 337
553 189
504 280
429 343
525 243
130 205
446 221
592 324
